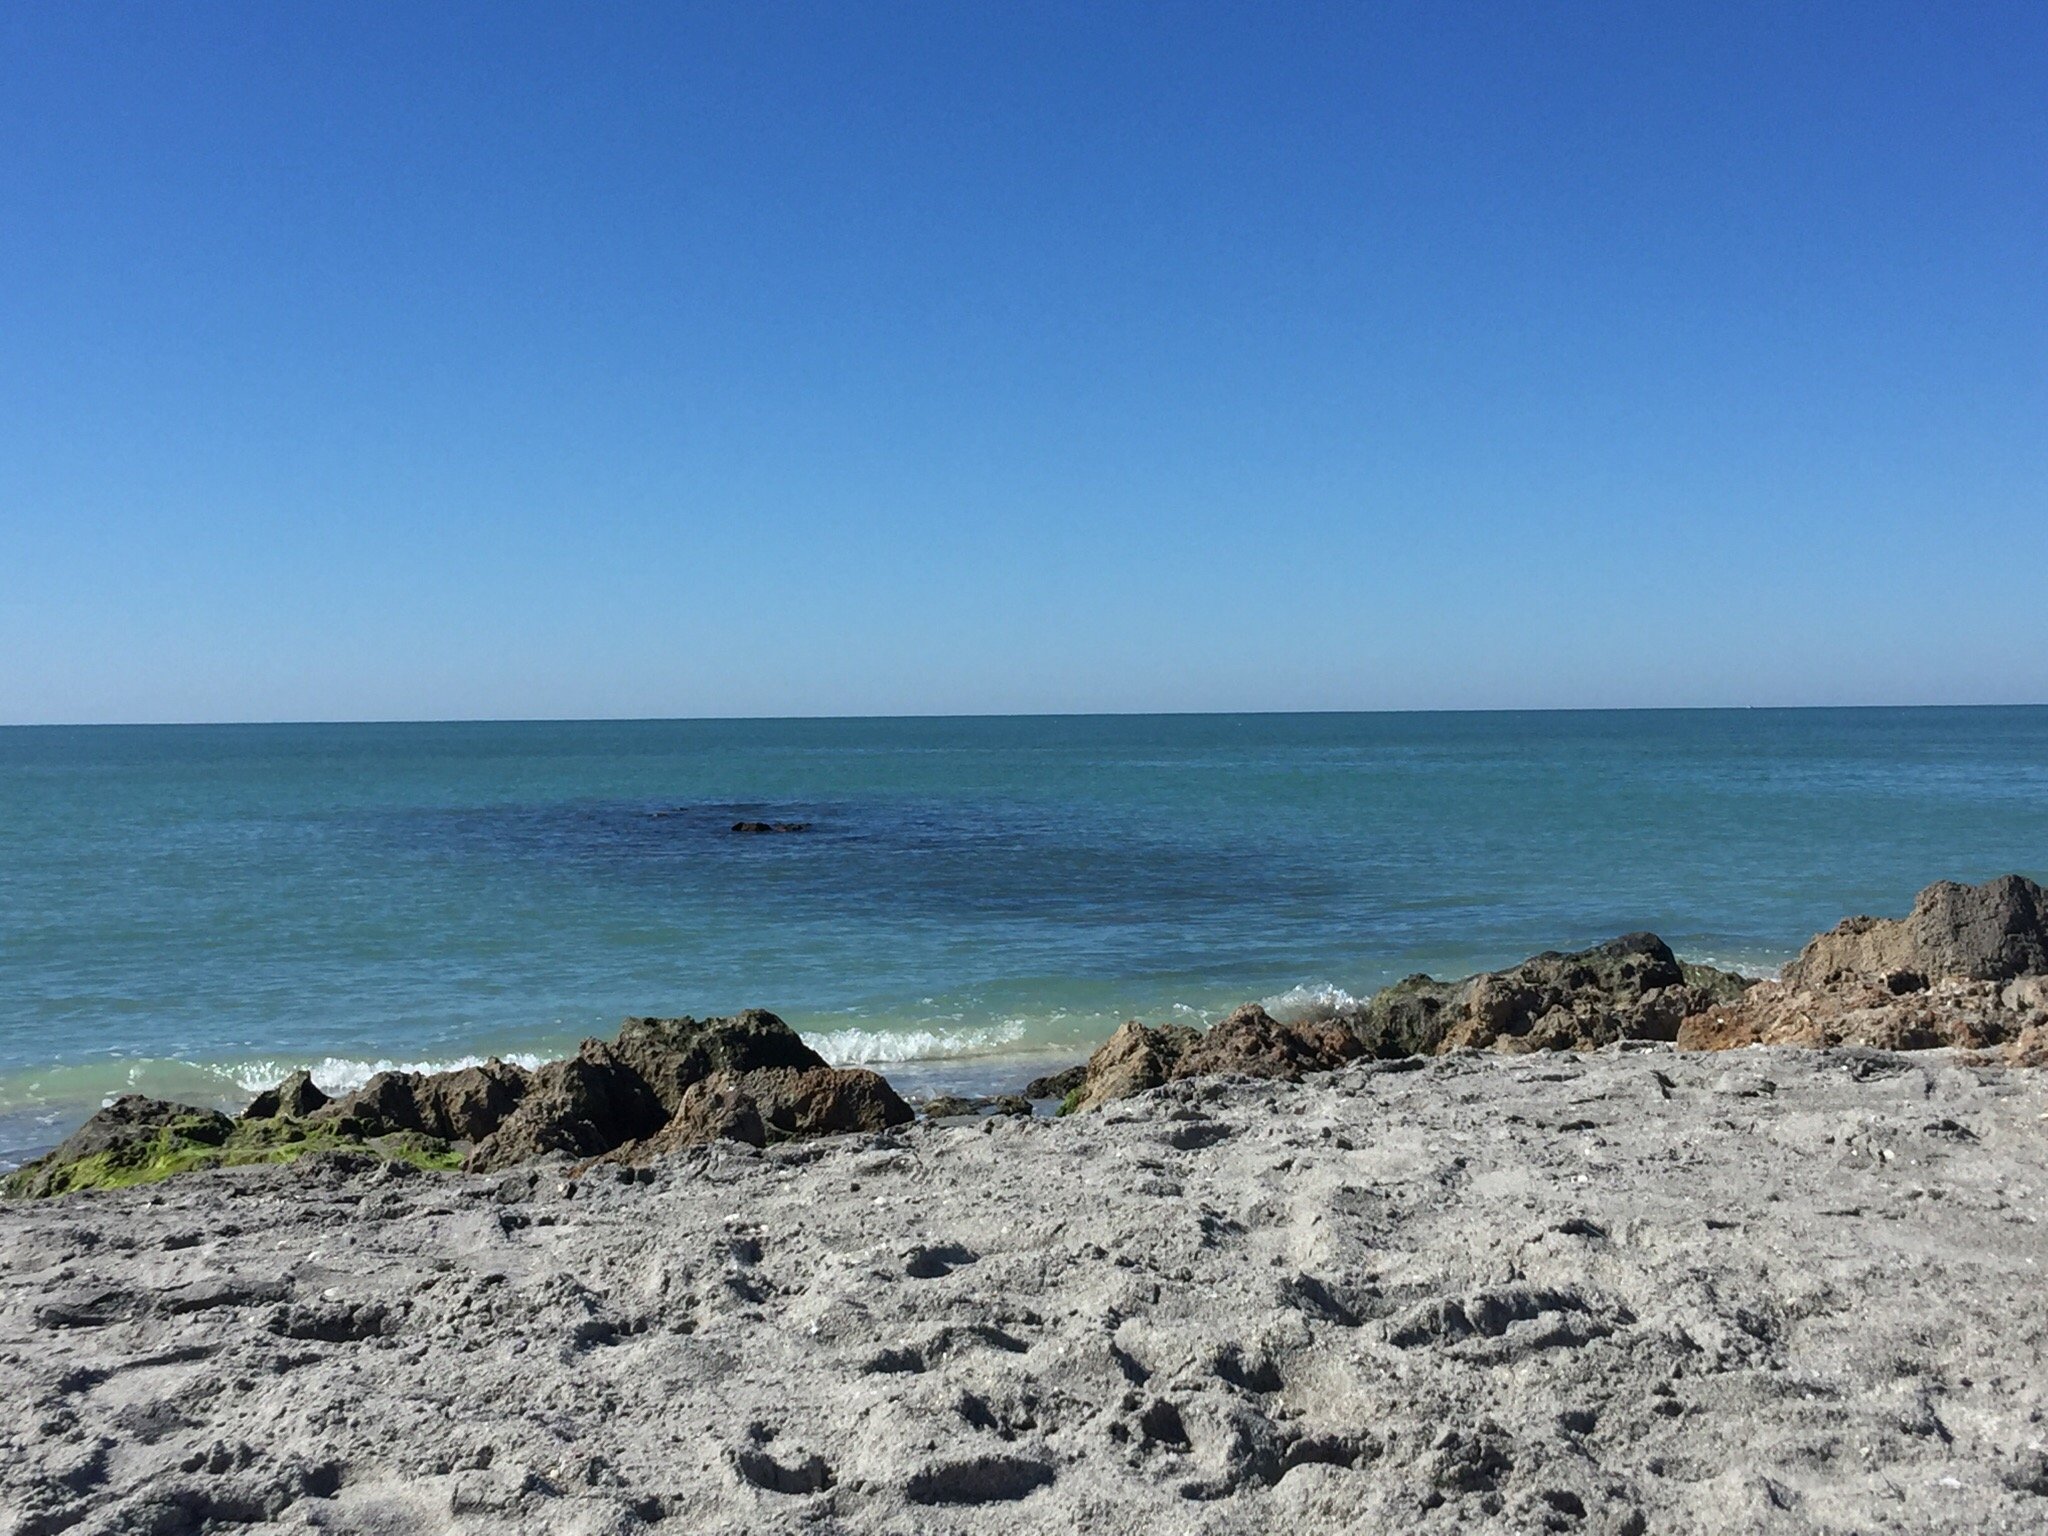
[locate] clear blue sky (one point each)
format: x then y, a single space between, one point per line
437 360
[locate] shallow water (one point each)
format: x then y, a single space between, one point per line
194 910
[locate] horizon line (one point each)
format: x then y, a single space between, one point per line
1073 714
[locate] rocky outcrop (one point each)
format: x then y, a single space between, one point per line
297 1097
669 1055
1963 969
1899 1012
618 1092
661 1083
1630 988
666 1083
463 1105
121 1143
771 826
1252 1043
772 1105
1137 1057
610 1093
581 1106
137 1140
1249 1043
1990 932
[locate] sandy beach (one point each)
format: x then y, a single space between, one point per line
1631 1290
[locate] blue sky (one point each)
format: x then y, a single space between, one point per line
449 361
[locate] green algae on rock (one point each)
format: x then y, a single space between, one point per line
139 1140
643 1093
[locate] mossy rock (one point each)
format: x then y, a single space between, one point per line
138 1140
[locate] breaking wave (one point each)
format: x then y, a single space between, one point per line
343 1074
855 1047
1310 1001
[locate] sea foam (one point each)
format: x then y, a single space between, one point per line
338 1075
1309 1001
855 1047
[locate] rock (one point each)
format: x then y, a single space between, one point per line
717 1109
1991 932
825 1101
1409 1018
127 1142
771 826
609 1093
1057 1085
950 1106
666 1083
297 1096
1011 1104
470 1103
2028 1048
1964 968
1252 1043
133 1113
138 1141
1249 1043
668 1055
467 1104
2027 995
1630 988
581 1106
1135 1058
749 1078
1896 1012
777 1104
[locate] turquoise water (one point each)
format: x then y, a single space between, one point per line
193 910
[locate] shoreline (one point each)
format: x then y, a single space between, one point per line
1967 967
1602 1242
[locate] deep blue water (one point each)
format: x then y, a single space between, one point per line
192 910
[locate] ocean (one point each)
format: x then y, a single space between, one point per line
194 911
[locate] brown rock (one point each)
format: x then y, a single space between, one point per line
464 1105
1990 932
615 1092
1630 988
297 1097
825 1101
1133 1059
717 1109
583 1106
1252 1043
778 1104
2029 1048
1889 1013
669 1055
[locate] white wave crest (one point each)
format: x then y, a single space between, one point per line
342 1074
1765 965
1309 1001
853 1047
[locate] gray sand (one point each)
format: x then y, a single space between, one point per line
1637 1291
